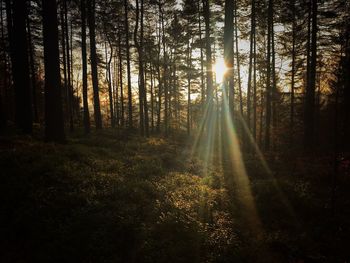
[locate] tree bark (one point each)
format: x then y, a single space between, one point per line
250 70
3 110
20 68
84 68
120 58
152 96
165 74
238 60
130 117
54 126
31 51
254 77
292 88
95 86
268 77
69 77
228 52
143 71
206 12
189 68
201 57
159 109
109 81
274 91
309 122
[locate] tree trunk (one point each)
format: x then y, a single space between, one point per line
142 94
128 62
84 68
9 23
261 118
73 101
250 70
120 58
152 97
268 77
115 89
109 81
20 68
238 60
143 71
201 57
292 88
346 105
309 121
3 108
274 84
189 68
64 61
228 52
31 51
165 75
254 77
159 109
206 12
68 59
141 78
54 126
91 22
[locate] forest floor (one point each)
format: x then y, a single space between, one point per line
124 198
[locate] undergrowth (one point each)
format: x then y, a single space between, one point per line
109 198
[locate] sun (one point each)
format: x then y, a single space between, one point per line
219 69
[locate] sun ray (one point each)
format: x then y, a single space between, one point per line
267 169
239 173
216 132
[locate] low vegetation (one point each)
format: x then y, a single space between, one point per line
118 198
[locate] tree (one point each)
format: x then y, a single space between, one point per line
292 88
309 121
268 74
69 86
84 67
139 47
20 66
126 20
109 80
189 15
93 55
228 51
251 58
346 76
33 75
54 126
206 13
238 58
120 58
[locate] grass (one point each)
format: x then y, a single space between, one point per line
109 198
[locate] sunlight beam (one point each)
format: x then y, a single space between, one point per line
239 173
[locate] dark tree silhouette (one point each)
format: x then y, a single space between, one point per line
84 66
228 52
54 126
20 67
91 7
126 20
309 115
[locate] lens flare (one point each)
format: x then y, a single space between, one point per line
219 68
